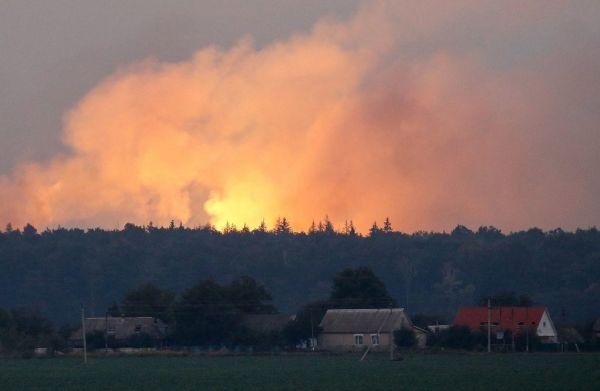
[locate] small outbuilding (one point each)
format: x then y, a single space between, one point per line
420 336
357 329
437 328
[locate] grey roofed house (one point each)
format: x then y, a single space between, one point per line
355 329
122 328
267 323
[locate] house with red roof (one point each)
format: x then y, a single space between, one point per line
517 320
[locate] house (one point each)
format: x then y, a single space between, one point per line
356 329
121 329
517 320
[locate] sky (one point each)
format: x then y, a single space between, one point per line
54 51
432 113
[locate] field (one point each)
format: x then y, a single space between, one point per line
415 372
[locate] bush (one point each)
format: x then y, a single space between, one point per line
521 342
405 338
593 345
457 337
141 340
23 330
306 323
259 341
95 340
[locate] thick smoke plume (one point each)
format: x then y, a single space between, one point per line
433 113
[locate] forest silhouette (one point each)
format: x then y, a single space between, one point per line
58 270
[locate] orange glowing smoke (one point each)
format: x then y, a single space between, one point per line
377 116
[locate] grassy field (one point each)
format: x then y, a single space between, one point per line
415 372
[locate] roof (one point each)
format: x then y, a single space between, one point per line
364 320
420 330
506 318
123 327
266 323
436 328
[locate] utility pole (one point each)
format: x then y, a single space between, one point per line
489 325
526 329
312 331
106 332
391 336
83 334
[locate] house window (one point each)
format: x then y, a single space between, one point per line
138 328
544 323
374 339
111 330
358 339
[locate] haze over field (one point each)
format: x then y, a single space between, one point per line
433 113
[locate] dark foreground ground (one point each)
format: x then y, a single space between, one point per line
415 372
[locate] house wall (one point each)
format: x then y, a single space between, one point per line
345 342
421 339
545 329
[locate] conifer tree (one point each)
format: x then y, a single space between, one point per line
387 225
262 227
229 228
375 230
328 226
282 226
351 230
312 229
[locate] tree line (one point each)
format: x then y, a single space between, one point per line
57 270
209 314
205 314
